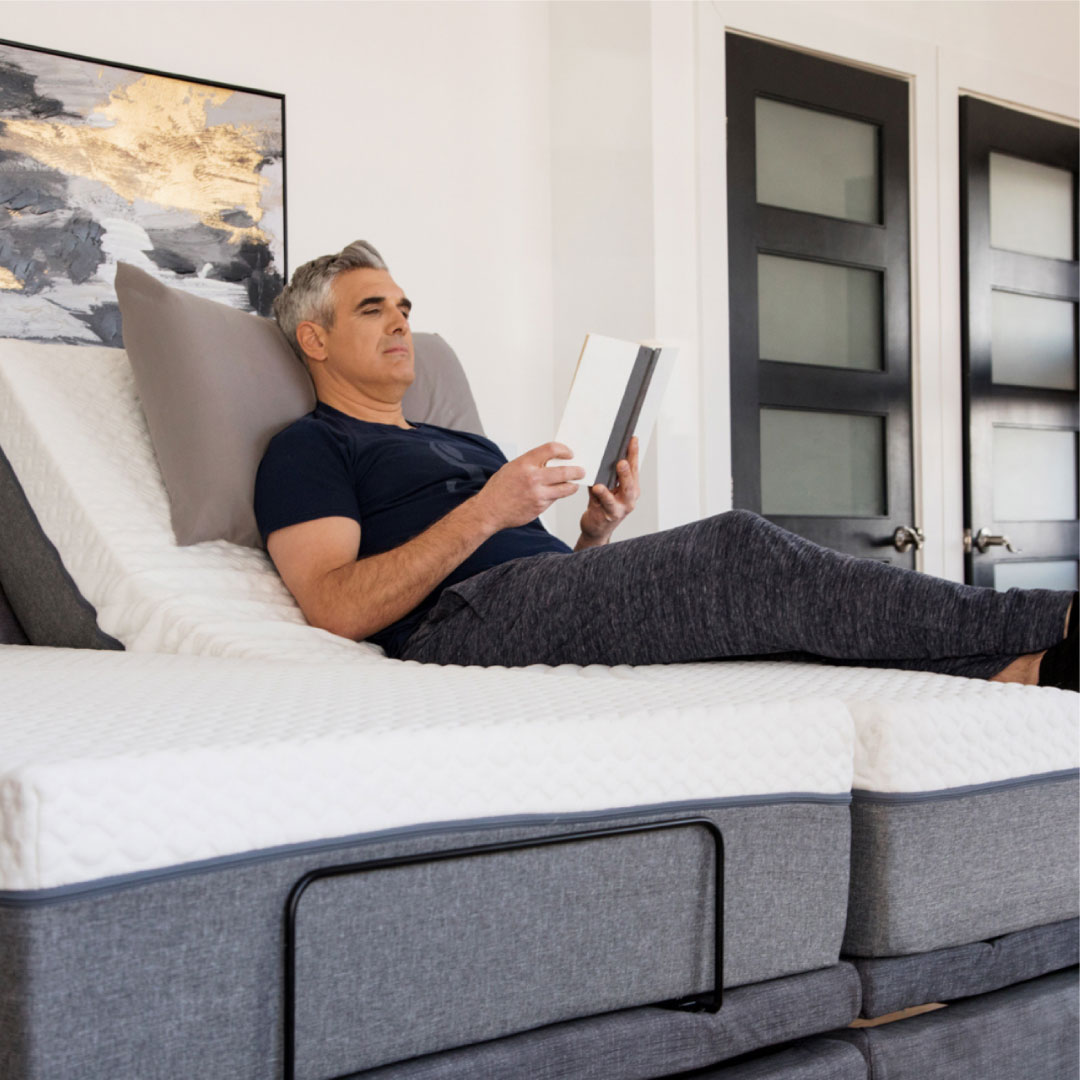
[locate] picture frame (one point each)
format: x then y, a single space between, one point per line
102 162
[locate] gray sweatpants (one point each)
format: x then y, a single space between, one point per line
734 585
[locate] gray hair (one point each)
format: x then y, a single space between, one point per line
309 298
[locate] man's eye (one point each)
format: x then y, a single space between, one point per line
370 311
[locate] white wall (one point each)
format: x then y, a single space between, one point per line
603 252
422 127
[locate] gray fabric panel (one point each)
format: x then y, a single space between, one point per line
944 872
900 982
638 1044
819 1058
11 633
42 595
1027 1032
183 977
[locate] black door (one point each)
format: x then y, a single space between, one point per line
818 226
1019 278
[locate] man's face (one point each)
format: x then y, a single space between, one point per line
370 344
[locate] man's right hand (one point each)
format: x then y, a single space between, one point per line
357 597
525 487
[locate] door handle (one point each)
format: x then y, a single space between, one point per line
984 539
907 536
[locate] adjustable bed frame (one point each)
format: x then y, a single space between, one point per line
235 846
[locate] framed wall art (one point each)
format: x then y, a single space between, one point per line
101 163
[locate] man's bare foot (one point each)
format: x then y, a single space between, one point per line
1024 669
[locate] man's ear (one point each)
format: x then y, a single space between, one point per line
311 339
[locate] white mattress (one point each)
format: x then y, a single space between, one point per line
115 763
919 733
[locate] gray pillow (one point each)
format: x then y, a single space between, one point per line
217 384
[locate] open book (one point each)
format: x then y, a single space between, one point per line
616 393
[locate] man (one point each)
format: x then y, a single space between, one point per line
427 542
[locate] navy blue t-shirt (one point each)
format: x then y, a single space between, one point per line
395 482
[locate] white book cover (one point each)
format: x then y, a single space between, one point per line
596 397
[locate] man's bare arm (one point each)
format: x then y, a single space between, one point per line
358 597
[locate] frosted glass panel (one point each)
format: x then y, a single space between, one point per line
817 313
1034 475
815 161
1059 574
1031 207
819 463
1033 342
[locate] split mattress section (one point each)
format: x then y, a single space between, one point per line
159 810
965 801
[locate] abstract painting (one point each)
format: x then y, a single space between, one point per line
101 163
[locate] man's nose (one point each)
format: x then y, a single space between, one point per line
398 322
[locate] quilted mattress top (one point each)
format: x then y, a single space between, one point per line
115 763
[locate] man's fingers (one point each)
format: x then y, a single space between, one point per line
558 474
603 496
606 500
548 451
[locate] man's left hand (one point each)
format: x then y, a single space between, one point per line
608 507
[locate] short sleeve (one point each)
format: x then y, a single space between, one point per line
304 475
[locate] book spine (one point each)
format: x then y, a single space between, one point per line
618 443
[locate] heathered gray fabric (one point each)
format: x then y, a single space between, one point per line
49 607
819 1058
948 871
11 633
898 982
1027 1032
183 976
730 585
639 1044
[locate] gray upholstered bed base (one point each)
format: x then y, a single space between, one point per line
893 983
931 872
45 600
818 1058
180 973
11 631
1026 1032
639 1044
